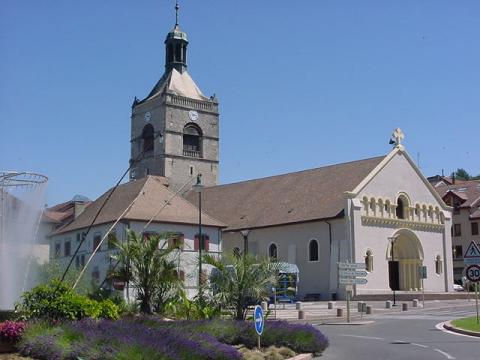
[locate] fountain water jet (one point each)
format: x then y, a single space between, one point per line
21 207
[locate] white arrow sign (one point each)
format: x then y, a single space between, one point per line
351 266
352 273
359 281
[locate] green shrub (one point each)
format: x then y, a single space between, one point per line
57 301
108 310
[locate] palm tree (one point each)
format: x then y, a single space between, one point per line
151 269
239 280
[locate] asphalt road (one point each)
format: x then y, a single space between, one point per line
409 335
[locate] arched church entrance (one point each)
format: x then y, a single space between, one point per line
405 247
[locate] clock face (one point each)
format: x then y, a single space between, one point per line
193 115
148 116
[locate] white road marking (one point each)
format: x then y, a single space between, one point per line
444 353
363 337
420 345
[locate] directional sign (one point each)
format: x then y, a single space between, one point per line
258 319
352 273
472 272
351 281
472 254
351 266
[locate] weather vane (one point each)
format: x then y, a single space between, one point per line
176 12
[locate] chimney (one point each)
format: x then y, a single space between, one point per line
79 208
453 178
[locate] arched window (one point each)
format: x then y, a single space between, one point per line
438 265
272 251
313 250
192 140
400 211
369 261
147 137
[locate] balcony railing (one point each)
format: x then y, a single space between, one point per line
192 153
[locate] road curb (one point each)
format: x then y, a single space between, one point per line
305 356
348 323
448 325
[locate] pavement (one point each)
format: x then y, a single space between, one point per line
318 312
396 335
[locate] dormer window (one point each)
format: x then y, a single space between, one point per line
192 140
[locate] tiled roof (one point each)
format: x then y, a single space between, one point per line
469 191
290 198
152 194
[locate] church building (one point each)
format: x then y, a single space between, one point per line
368 211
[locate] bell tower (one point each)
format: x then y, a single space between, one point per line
175 129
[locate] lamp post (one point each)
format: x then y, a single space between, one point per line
392 239
198 187
245 240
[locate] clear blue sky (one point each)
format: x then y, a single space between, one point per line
301 84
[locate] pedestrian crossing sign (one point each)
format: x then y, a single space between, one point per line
472 254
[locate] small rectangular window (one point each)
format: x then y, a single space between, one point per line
112 238
457 252
176 241
96 240
82 261
474 228
67 248
57 250
77 262
457 230
205 242
79 237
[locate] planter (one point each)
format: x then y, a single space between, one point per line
6 346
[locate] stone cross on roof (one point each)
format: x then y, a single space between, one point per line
398 136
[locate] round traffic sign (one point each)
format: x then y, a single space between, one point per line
258 319
472 272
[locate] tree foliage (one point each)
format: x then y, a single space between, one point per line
462 174
151 269
238 281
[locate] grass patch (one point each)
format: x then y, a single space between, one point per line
469 323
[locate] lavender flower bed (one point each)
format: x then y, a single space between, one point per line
150 338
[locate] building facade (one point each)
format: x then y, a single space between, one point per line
464 198
373 211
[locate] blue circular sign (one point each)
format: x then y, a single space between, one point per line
258 319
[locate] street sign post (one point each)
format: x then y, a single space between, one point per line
351 274
258 321
472 272
422 271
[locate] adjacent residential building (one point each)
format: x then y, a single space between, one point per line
464 198
146 206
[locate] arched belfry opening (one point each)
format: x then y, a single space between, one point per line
192 140
405 247
148 135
